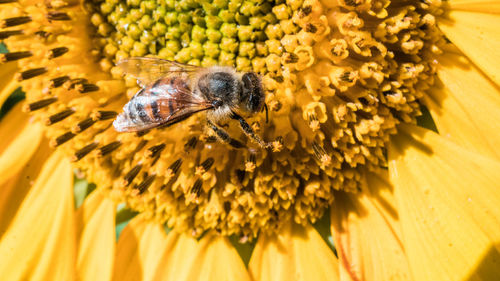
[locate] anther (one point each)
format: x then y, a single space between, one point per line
38 104
15 56
130 176
57 52
107 149
79 154
42 34
58 16
347 76
210 139
57 82
30 73
71 84
305 11
190 144
8 33
103 115
175 166
141 133
83 125
14 21
86 88
196 189
58 116
311 28
321 154
145 184
155 150
62 139
207 164
291 58
7 1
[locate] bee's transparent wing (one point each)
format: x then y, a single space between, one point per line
148 70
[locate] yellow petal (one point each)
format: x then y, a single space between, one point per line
20 139
483 6
477 35
296 253
365 231
216 259
40 242
178 257
465 105
448 206
13 192
95 230
7 84
139 250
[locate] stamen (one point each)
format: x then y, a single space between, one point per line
290 58
196 189
79 154
107 149
144 185
69 85
207 164
57 82
62 139
58 16
175 166
30 73
58 116
210 139
103 115
83 125
14 56
305 11
85 88
7 1
130 176
14 21
38 104
155 150
42 34
190 144
57 52
311 28
8 33
321 154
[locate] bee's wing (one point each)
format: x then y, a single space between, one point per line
148 70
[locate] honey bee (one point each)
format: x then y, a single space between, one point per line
172 92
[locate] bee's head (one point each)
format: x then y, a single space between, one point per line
252 96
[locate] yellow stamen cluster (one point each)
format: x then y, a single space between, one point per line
339 76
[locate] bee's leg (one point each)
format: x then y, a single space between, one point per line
247 129
224 136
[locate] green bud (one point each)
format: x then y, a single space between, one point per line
234 5
243 64
211 49
133 3
139 49
107 8
229 44
261 48
209 8
185 27
147 37
270 18
241 19
173 32
247 49
226 58
258 23
170 4
135 14
220 4
159 13
245 33
185 39
213 22
183 55
147 6
198 34
196 62
229 29
226 16
159 29
173 45
170 18
134 31
198 17
196 49
214 35
207 61
165 53
274 31
145 22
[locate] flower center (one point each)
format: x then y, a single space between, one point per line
338 75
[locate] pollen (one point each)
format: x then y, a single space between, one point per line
338 76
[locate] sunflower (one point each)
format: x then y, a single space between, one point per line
383 120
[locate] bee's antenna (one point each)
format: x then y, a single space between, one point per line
267 113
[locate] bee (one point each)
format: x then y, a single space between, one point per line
172 92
